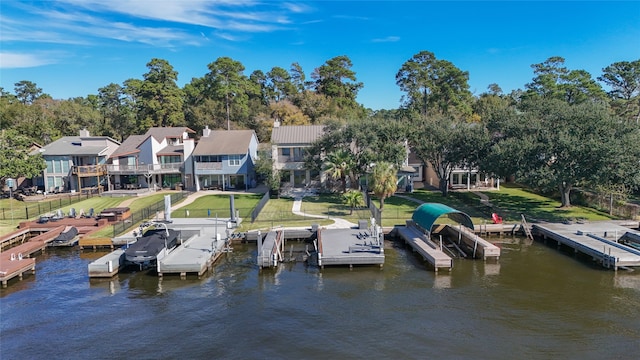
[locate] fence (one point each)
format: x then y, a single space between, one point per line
604 202
34 209
145 214
261 204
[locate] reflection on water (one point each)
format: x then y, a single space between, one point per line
533 303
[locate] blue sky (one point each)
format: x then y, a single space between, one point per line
73 47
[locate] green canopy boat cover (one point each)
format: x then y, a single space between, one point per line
426 214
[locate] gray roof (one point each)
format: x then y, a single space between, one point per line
161 133
171 150
77 146
225 142
129 146
296 134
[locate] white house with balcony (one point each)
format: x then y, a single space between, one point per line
161 158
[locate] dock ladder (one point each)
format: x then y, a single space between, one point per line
526 228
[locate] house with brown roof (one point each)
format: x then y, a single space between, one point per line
225 159
288 146
76 163
161 158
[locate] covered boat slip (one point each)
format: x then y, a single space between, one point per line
478 247
599 240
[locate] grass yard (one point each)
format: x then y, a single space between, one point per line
277 212
210 205
513 201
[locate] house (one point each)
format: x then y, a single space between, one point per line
161 158
225 159
76 163
288 144
426 176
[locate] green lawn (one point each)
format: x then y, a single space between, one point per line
210 205
512 201
277 212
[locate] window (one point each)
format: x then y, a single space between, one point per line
57 165
234 160
170 159
286 152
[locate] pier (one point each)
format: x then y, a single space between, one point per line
108 265
270 249
421 243
599 240
462 236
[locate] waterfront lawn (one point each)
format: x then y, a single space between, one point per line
210 205
513 200
332 205
277 212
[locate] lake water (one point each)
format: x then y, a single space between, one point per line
535 303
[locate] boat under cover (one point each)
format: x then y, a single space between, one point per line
146 249
68 237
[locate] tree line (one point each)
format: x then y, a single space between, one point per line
561 131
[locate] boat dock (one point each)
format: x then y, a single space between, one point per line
196 255
479 247
16 261
270 249
108 265
599 240
421 243
204 244
356 246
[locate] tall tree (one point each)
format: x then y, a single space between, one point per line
27 92
385 181
624 80
336 80
554 81
160 98
279 84
434 86
228 83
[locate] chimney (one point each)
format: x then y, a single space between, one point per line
206 131
276 123
84 133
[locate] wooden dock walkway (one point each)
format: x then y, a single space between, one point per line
425 247
599 240
15 261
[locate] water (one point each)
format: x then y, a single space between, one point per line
535 303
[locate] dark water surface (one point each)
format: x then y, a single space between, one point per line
535 303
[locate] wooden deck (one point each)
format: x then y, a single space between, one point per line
336 247
16 261
599 240
423 246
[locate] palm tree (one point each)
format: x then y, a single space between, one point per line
353 199
338 165
385 181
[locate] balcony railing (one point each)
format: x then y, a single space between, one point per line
171 168
288 159
208 165
89 170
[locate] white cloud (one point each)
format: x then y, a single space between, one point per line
16 60
386 39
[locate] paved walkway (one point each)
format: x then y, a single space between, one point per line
299 194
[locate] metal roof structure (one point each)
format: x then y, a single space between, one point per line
427 214
296 134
